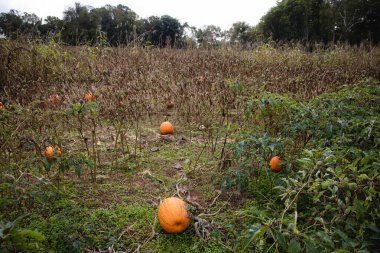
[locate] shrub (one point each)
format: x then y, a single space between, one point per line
329 200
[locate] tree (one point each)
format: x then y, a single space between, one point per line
81 26
11 23
355 20
189 35
152 30
323 20
301 20
242 33
14 24
52 25
209 36
307 21
119 23
163 31
287 21
171 30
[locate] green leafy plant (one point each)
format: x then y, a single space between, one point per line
251 158
329 200
86 114
15 239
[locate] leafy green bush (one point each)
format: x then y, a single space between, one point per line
330 190
15 239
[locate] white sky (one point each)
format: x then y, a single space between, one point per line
196 12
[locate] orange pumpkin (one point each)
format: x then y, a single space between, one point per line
49 152
166 128
274 164
173 216
55 99
1 106
89 97
59 152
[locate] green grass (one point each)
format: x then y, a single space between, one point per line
119 211
71 227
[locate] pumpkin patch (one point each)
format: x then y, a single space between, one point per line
275 147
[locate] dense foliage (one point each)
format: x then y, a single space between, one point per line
320 20
108 25
308 21
326 197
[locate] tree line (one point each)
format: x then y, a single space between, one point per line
321 21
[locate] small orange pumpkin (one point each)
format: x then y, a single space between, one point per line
55 99
49 152
89 97
274 164
166 128
59 152
1 106
173 216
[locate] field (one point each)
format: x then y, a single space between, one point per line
232 111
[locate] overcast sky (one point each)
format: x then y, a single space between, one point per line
196 12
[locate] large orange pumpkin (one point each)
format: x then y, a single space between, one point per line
274 164
166 128
89 97
49 152
173 216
